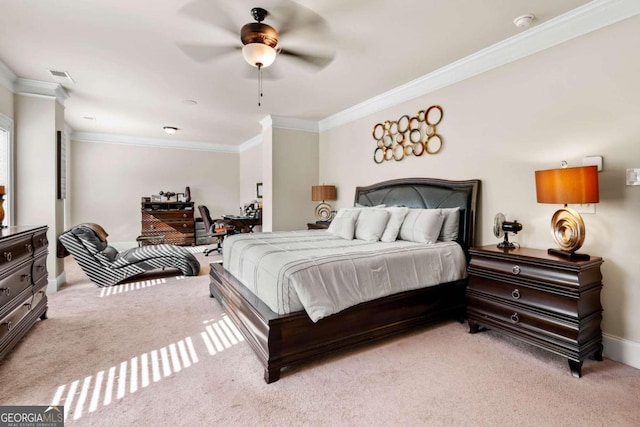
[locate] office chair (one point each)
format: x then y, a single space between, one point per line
212 231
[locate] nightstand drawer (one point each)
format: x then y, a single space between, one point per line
520 294
518 318
534 271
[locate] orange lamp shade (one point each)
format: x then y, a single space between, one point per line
323 192
568 185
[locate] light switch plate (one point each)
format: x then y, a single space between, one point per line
633 176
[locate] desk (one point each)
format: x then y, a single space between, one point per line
244 224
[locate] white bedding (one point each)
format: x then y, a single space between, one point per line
324 274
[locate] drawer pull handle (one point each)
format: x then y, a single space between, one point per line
184 215
8 256
28 305
9 325
27 246
6 291
515 269
184 225
515 318
23 277
515 294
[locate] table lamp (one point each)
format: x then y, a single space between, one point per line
320 193
562 186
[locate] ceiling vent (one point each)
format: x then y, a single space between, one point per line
61 76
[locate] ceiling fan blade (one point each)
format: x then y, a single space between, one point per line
206 52
317 60
210 12
292 17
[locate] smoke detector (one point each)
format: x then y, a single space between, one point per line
524 21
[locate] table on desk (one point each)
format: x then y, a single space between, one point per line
244 224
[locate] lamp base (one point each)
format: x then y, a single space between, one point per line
567 254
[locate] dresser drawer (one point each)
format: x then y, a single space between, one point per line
14 251
167 216
153 227
14 282
39 269
13 319
40 242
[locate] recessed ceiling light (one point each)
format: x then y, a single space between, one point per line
170 130
89 118
190 102
524 21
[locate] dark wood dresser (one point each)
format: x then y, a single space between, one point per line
545 300
167 222
23 282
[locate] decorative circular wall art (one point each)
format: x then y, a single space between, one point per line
408 136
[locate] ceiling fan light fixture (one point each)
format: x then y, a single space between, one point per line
259 54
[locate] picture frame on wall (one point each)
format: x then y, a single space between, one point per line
259 190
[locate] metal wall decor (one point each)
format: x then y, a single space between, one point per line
408 136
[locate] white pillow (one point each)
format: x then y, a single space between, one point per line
422 225
395 222
449 231
371 224
343 227
358 205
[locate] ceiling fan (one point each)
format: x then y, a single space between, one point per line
260 41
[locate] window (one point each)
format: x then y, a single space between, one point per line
6 166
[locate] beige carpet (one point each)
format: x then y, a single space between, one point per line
161 352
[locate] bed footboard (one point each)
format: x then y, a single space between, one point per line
281 341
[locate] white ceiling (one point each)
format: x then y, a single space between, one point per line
133 73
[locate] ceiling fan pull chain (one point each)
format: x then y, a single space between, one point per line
259 83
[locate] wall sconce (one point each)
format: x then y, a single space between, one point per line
320 193
170 130
562 186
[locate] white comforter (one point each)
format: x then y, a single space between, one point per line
324 274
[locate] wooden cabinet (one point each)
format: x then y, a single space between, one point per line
167 222
545 300
23 282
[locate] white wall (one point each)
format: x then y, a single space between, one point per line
108 181
294 171
6 102
250 173
574 100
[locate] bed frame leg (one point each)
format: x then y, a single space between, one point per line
271 375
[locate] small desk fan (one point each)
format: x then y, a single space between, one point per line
502 228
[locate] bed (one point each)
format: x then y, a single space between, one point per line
284 340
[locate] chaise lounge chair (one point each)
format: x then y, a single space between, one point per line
105 266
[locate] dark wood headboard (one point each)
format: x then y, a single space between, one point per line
428 193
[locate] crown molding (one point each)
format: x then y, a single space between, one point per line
253 142
582 20
39 88
152 142
7 77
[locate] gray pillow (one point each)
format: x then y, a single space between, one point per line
343 227
422 225
449 231
371 224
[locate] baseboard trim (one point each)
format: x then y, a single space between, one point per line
621 350
54 285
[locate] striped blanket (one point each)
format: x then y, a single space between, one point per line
324 274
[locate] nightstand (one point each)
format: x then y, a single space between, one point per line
544 300
318 225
